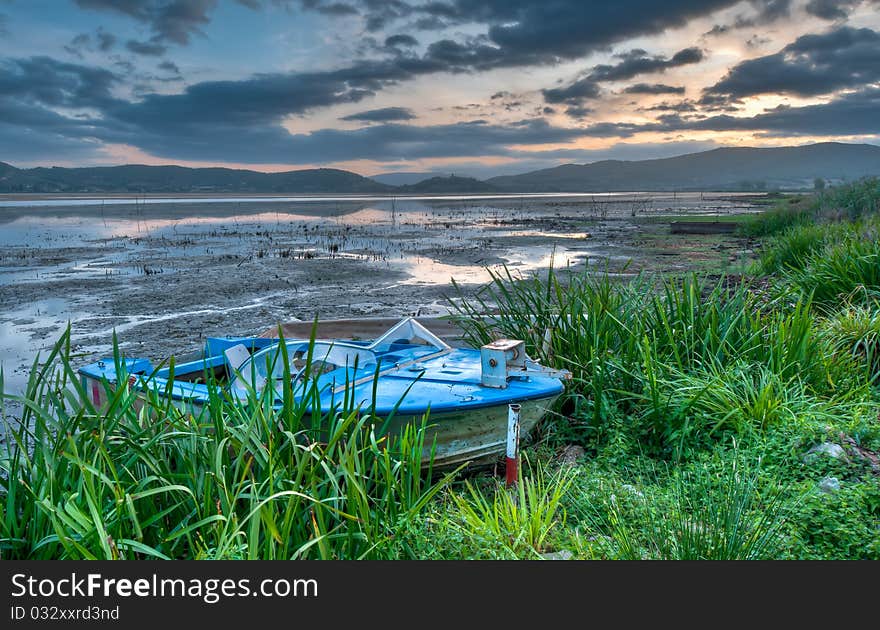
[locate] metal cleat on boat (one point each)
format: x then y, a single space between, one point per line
504 359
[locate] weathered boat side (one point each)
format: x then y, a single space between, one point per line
398 378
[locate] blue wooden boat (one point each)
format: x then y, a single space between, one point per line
400 376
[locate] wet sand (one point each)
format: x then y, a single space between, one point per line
166 274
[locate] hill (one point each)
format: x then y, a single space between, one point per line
179 179
451 184
729 168
405 178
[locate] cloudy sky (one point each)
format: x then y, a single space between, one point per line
465 86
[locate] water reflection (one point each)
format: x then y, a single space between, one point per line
41 201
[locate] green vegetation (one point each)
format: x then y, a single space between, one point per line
718 417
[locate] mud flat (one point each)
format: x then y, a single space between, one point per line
165 274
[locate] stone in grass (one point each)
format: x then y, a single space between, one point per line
827 449
633 490
829 485
571 454
563 554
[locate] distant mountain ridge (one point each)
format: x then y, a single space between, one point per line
729 168
451 184
403 178
136 178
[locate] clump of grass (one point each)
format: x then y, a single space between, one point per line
694 515
854 332
236 481
520 520
842 271
694 410
848 202
793 248
786 215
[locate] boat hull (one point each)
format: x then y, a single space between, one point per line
473 435
467 434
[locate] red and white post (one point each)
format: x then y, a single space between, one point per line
512 444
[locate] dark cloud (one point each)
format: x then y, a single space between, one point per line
666 106
654 88
106 40
330 8
523 32
544 32
767 11
518 32
718 29
578 111
575 93
718 102
169 66
756 41
632 63
637 62
47 82
171 21
771 10
831 9
811 65
176 21
45 144
241 121
149 49
384 114
83 42
380 13
396 41
78 44
854 113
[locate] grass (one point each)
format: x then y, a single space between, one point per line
698 515
854 331
521 520
668 373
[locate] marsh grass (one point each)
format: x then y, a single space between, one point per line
236 481
793 248
521 520
854 332
845 203
827 249
680 362
847 270
694 514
